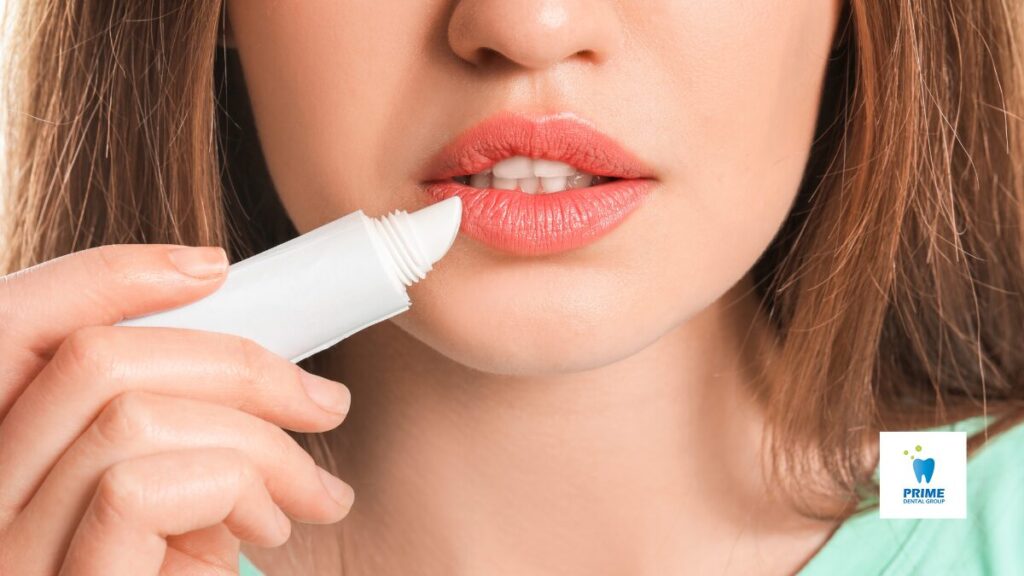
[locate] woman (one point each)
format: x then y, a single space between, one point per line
783 228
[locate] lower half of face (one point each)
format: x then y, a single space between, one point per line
716 101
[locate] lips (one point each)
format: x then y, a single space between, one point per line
531 224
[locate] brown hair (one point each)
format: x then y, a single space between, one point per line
895 284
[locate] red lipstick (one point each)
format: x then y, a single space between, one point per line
545 223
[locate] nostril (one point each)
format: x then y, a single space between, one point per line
488 56
535 34
485 57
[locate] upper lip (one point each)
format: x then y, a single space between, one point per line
561 137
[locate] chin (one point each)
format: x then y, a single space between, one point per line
539 332
532 351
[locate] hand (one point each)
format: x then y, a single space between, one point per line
130 450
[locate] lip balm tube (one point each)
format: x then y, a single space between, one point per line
317 289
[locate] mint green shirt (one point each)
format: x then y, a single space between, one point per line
989 541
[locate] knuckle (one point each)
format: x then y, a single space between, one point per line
264 378
108 259
253 362
119 494
243 472
114 266
129 417
89 351
284 446
247 473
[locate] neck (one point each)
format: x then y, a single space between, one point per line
646 465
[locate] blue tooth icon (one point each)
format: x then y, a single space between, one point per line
924 469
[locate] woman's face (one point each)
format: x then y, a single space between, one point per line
716 100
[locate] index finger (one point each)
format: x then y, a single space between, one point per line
41 305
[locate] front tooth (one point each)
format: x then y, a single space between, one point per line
482 180
504 183
529 185
554 183
514 168
580 180
550 168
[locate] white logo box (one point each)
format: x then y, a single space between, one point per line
906 459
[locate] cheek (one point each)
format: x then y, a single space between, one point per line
749 96
333 97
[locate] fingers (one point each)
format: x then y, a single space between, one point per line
95 365
41 305
139 502
138 424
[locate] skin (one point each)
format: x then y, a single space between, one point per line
582 413
528 415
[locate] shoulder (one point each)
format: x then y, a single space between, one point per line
995 501
987 541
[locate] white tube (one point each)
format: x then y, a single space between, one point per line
313 291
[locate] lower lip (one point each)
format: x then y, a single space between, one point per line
539 224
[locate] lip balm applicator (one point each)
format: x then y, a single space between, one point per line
315 290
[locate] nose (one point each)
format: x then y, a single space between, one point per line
534 34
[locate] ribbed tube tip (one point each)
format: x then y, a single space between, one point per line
416 241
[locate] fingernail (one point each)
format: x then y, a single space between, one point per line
330 395
340 492
200 261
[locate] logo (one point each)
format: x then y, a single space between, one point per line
922 475
923 469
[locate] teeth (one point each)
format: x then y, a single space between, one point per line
514 168
532 176
504 183
529 185
580 180
523 167
482 180
549 168
554 183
